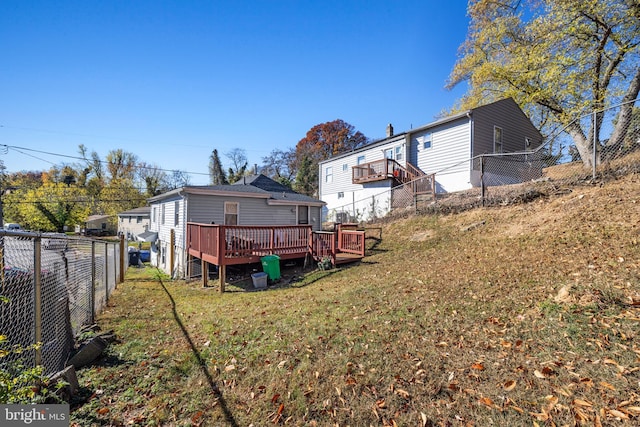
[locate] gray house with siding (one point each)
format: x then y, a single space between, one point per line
358 185
133 222
254 200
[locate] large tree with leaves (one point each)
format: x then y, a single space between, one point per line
559 59
51 206
322 142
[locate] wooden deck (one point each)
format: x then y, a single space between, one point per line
224 245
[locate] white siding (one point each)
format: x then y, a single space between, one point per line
360 204
450 148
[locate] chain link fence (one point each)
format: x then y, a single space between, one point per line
577 154
53 285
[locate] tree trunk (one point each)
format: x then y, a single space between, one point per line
583 145
624 118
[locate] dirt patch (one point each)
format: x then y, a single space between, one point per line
421 236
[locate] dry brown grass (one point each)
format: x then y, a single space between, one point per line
511 315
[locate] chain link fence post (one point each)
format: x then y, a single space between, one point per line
106 272
595 146
483 187
37 296
92 304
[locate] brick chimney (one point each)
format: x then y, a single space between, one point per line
389 130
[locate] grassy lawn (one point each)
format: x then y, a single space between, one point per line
518 315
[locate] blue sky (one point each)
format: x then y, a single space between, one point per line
171 80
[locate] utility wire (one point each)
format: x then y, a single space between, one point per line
104 162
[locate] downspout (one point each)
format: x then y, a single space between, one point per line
470 134
185 256
470 117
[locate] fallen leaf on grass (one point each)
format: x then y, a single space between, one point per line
607 385
618 414
478 366
403 393
486 401
509 385
633 410
196 417
103 411
584 403
539 374
423 417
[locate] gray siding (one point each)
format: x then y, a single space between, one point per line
514 123
251 211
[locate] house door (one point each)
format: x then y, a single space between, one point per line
303 215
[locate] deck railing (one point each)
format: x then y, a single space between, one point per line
351 241
236 244
384 169
374 171
323 245
224 245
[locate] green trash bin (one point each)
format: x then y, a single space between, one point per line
271 266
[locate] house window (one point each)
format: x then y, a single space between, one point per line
328 176
341 195
154 214
231 213
360 160
163 250
163 213
303 214
425 140
129 220
398 153
176 213
497 139
388 153
139 219
345 167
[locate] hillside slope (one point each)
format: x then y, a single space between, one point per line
511 315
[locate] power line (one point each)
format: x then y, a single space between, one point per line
84 159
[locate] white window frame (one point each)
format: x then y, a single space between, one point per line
345 167
176 213
228 211
426 141
388 153
498 139
164 209
328 175
360 160
398 153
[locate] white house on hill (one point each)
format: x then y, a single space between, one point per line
358 185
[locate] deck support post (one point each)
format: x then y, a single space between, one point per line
222 274
205 272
